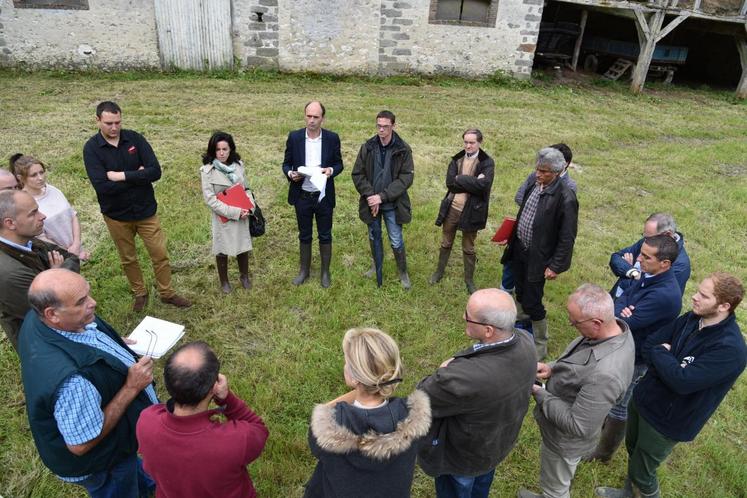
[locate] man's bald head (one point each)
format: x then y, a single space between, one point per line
8 180
190 373
61 299
493 307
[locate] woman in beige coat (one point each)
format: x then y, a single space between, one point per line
222 168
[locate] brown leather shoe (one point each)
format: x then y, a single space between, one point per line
139 303
177 300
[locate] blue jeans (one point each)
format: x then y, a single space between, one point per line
127 479
393 230
620 410
454 486
507 278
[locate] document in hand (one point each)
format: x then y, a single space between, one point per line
155 337
235 196
505 230
316 177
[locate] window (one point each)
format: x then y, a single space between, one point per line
464 12
51 4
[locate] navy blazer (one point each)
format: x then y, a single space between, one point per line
295 156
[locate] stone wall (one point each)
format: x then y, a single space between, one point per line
111 34
328 36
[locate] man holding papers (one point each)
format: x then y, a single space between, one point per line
465 207
84 389
312 161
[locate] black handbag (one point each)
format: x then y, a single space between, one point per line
256 222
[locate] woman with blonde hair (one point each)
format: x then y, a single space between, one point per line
366 440
61 225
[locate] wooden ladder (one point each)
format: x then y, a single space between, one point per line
618 69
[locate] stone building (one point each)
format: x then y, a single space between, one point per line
465 37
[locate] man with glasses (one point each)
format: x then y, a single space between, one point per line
8 180
582 385
479 398
625 266
383 172
541 245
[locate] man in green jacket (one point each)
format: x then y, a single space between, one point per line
23 256
383 172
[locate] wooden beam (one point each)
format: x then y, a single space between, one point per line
675 22
696 5
641 25
577 47
743 11
647 47
742 49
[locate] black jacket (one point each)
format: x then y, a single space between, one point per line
475 212
553 231
403 172
295 156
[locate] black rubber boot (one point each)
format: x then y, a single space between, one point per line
221 263
401 258
613 432
325 251
443 260
305 264
243 260
469 271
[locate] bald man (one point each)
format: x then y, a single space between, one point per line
7 180
23 256
313 146
479 398
84 389
186 452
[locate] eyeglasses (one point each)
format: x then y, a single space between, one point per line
575 323
467 319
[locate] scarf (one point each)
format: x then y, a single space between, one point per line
229 171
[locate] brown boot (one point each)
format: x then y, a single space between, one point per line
400 256
221 263
443 260
243 261
469 271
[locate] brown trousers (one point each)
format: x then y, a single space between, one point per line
449 227
123 234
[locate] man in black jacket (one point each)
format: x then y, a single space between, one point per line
541 245
122 166
383 172
465 206
693 363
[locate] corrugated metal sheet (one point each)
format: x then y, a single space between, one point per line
194 34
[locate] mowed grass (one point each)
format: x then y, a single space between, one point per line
675 150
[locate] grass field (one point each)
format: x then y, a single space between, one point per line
676 150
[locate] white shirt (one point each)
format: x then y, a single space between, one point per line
313 158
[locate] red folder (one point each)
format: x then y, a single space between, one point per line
235 196
505 230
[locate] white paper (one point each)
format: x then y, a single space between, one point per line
162 337
316 177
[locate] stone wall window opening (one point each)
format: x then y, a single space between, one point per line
464 12
51 4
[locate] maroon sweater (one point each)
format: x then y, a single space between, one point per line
196 457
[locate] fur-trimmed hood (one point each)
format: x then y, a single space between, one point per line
333 437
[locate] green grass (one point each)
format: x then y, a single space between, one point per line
677 150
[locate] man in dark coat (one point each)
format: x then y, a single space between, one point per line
541 245
383 172
23 257
479 398
465 206
693 363
313 146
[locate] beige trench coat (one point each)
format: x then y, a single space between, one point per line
230 238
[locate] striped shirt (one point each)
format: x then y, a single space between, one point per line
78 410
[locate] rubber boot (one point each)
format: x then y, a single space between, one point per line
443 260
521 315
305 264
325 251
624 492
469 271
613 432
539 329
221 263
243 260
371 272
401 258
